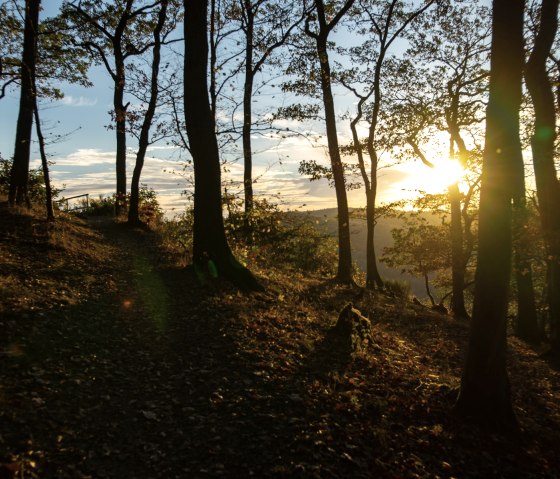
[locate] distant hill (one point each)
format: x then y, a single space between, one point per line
383 238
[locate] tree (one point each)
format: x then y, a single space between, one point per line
211 252
526 326
542 146
115 31
57 60
443 86
419 248
321 37
144 136
266 26
20 167
485 394
386 22
10 48
44 162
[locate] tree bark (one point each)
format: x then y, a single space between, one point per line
428 291
120 133
44 162
485 394
373 278
344 273
19 175
542 145
247 112
144 140
457 255
527 326
211 252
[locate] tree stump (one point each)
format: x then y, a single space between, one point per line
353 329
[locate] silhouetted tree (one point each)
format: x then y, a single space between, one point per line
321 37
211 252
20 168
542 145
485 394
113 32
266 26
382 25
144 137
44 162
442 85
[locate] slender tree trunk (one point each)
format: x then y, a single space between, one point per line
44 163
344 250
373 278
20 168
428 291
458 253
485 389
213 48
247 112
457 261
211 252
133 211
542 144
120 132
527 324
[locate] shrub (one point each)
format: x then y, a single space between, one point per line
35 186
149 209
305 248
268 237
101 206
177 235
399 289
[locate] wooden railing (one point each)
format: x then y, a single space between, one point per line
76 208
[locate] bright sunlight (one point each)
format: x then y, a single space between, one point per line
419 177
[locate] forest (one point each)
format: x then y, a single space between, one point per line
240 337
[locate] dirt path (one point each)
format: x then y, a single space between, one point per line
143 378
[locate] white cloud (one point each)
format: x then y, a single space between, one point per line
161 147
70 100
93 171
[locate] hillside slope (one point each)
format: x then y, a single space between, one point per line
117 363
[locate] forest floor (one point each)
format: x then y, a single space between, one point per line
116 363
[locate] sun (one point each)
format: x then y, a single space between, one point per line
417 177
447 172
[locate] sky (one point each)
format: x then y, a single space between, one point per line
84 161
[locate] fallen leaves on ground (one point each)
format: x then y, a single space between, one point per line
117 363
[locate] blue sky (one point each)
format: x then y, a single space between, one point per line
84 162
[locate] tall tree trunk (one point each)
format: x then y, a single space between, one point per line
457 255
373 278
19 175
344 250
542 144
120 131
527 326
485 394
247 112
459 258
44 162
211 251
144 140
